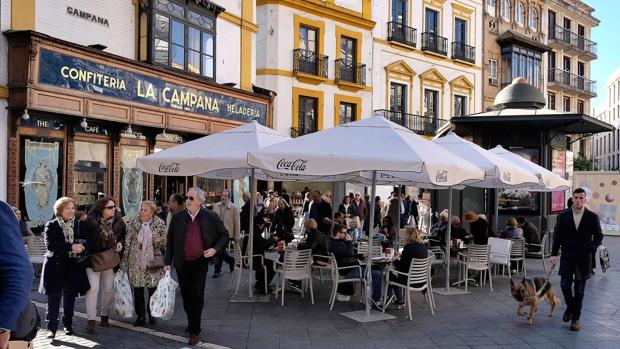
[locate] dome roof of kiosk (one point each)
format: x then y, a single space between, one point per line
520 94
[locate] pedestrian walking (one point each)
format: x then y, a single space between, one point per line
62 277
230 216
105 233
143 259
194 237
577 235
175 204
319 210
15 274
392 208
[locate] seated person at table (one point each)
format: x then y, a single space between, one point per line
457 229
260 245
438 229
341 245
478 227
340 218
512 231
283 222
414 248
315 241
388 231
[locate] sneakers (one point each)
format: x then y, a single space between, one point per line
342 298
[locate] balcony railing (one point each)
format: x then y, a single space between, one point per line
463 52
434 43
350 72
571 81
419 124
569 38
309 62
401 33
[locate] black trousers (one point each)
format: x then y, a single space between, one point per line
138 301
192 280
53 309
573 299
260 275
224 257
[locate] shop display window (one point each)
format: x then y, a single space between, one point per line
91 173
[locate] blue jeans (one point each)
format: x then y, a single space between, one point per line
574 301
376 280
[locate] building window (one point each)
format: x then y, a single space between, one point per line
505 10
307 38
398 98
347 112
307 115
91 172
460 105
183 37
566 104
521 62
491 7
551 101
492 72
533 19
431 103
520 14
580 107
431 22
348 54
399 11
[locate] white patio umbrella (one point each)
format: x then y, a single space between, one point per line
222 155
500 173
376 146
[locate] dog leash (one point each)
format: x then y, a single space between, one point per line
539 293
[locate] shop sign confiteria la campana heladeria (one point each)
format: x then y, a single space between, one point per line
85 15
59 69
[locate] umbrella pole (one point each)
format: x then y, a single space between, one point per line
371 219
333 211
448 240
250 249
496 209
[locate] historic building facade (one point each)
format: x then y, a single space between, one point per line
606 146
426 61
94 85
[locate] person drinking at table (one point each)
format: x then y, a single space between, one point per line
341 246
414 248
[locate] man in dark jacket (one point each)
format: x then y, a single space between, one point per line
320 210
577 233
195 236
15 274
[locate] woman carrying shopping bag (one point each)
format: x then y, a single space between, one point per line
143 259
62 277
104 231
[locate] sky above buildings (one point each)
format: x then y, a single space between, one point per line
607 37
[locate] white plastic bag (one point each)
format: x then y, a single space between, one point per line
162 301
123 298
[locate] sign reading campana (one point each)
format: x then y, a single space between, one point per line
74 73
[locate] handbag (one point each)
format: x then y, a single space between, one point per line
156 263
105 260
28 324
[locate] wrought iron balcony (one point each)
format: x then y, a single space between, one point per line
463 52
565 37
403 34
309 62
350 72
419 124
434 43
571 82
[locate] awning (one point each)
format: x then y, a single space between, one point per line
540 119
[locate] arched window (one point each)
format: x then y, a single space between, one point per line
520 14
533 19
491 7
505 10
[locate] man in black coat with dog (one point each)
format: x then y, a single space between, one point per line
577 233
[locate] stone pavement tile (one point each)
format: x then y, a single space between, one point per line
447 340
420 340
263 345
296 345
547 346
390 343
517 346
535 338
432 346
477 341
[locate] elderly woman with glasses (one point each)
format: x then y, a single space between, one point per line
104 231
143 258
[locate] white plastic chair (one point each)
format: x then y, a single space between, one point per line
376 251
517 254
338 279
500 254
240 260
320 267
37 249
296 266
418 279
543 250
477 258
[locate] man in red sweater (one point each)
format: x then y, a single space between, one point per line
195 236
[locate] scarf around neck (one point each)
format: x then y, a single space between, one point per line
67 229
145 237
107 233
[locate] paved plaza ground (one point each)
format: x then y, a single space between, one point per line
480 319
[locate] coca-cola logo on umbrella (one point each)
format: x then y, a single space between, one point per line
298 165
506 176
173 167
442 176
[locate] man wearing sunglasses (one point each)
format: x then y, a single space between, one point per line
195 236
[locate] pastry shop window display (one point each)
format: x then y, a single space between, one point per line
213 189
91 173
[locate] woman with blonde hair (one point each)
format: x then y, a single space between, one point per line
315 241
143 258
512 231
414 248
62 277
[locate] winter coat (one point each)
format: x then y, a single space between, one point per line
94 239
132 262
282 224
346 210
512 233
315 241
344 254
231 218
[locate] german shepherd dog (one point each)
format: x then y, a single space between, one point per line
525 292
